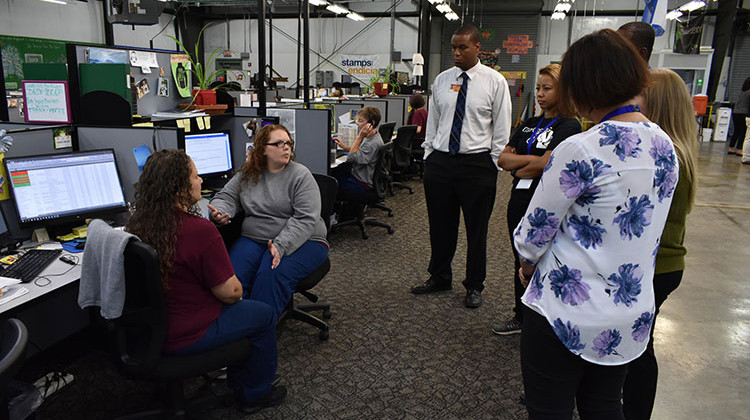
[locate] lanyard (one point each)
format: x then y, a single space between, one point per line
621 110
534 134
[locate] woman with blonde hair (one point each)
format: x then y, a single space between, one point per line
524 157
667 103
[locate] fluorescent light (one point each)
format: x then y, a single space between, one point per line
558 16
55 1
562 7
355 16
674 14
693 5
319 2
444 8
451 16
435 1
335 8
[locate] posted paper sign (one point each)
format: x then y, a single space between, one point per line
46 101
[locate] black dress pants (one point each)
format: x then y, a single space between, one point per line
517 206
554 378
740 127
639 390
453 184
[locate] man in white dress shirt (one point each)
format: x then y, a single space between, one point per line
467 127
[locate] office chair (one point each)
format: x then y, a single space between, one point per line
139 334
402 156
100 107
232 231
13 340
373 198
386 131
301 312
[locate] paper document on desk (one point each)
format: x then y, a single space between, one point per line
347 133
12 293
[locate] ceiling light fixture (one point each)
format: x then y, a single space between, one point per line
444 8
319 2
562 7
558 16
54 1
451 16
335 8
435 1
674 14
693 5
355 16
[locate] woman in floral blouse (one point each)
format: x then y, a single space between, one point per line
589 238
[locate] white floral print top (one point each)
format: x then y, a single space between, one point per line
593 228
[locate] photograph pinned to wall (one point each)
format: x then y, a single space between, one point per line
163 84
515 58
142 88
63 137
104 55
180 64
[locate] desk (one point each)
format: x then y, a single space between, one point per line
51 312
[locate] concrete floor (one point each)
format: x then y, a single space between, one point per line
703 330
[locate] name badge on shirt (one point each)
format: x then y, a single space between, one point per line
524 184
455 88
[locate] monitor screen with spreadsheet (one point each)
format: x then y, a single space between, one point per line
65 187
211 152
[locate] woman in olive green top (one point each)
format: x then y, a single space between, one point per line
667 103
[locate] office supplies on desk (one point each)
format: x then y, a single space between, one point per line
30 264
12 293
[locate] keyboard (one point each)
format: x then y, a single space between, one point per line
30 264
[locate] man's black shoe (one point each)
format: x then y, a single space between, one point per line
431 286
473 299
274 397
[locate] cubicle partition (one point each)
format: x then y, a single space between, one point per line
124 141
396 107
35 140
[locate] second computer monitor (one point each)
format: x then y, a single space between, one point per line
211 152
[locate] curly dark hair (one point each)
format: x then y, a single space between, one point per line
162 190
256 163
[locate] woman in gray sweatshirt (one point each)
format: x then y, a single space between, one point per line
358 172
283 236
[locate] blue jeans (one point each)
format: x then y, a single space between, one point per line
252 265
250 379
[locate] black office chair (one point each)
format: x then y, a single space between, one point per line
373 198
13 340
139 334
301 312
402 157
232 231
100 107
386 131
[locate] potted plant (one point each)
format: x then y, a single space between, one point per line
204 95
380 84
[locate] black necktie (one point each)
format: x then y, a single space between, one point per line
458 117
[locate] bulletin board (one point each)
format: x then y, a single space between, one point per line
46 101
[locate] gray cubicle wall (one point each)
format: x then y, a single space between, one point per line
151 102
238 138
396 106
313 142
344 107
34 140
123 141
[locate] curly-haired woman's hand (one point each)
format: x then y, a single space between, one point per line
219 217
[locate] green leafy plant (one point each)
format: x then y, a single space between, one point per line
199 69
385 76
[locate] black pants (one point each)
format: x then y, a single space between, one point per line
639 391
454 184
553 377
517 205
740 127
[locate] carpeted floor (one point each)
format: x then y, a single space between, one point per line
391 354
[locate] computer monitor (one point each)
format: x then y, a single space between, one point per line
65 188
6 238
211 152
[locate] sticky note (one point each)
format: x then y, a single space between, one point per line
199 120
207 122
